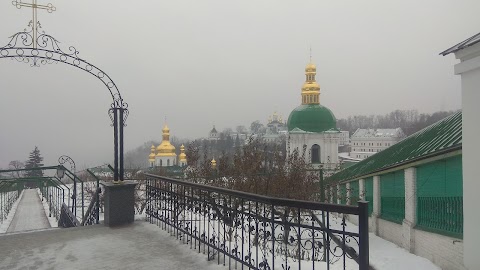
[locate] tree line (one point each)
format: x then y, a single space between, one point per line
410 121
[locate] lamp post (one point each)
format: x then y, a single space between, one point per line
61 173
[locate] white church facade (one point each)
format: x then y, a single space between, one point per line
312 128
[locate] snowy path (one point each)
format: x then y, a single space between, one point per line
30 214
137 246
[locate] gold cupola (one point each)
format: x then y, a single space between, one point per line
166 149
310 89
151 157
182 157
213 163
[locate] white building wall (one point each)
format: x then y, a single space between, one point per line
469 69
328 143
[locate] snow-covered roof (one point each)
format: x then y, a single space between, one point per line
378 132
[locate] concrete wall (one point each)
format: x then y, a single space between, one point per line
443 251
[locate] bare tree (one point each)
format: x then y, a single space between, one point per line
16 165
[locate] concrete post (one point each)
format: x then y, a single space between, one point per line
339 201
410 209
376 203
361 189
348 200
119 203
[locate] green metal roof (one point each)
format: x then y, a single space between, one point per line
442 136
311 118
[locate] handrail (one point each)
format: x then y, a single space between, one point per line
346 209
91 216
67 218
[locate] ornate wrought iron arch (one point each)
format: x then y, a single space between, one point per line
45 49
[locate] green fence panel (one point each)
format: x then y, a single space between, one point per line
440 197
354 193
368 191
392 192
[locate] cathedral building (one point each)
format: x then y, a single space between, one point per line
165 155
312 126
276 128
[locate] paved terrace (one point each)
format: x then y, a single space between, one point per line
137 246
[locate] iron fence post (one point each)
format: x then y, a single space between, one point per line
121 143
115 142
363 256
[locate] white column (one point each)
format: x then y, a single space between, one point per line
376 203
361 189
331 194
410 208
469 69
338 194
348 200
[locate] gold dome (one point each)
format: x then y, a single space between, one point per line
310 89
311 67
166 149
182 157
214 163
151 157
311 86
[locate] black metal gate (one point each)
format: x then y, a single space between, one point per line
244 230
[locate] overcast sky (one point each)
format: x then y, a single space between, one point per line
222 62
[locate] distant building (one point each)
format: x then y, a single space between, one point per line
276 129
344 138
367 142
165 155
213 135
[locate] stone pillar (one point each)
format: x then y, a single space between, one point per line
119 203
376 203
348 200
410 209
339 201
330 200
361 189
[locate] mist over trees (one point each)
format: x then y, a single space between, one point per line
410 121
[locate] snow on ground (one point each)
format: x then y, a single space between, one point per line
388 256
29 214
385 254
136 246
6 223
52 220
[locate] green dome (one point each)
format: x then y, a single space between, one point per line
312 118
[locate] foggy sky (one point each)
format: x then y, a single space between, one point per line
227 63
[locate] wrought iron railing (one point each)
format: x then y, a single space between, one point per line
241 229
67 218
7 199
92 216
55 198
393 209
441 215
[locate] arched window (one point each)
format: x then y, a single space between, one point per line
315 153
168 162
161 163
